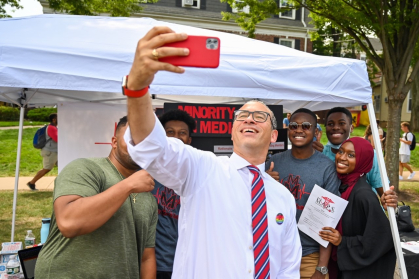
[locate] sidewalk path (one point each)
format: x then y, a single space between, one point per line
46 183
17 127
406 175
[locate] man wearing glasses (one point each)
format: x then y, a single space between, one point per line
235 220
299 169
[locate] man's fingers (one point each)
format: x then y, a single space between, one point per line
157 30
164 39
271 167
171 51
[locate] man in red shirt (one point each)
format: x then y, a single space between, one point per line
49 152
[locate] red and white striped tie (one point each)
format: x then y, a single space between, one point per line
260 225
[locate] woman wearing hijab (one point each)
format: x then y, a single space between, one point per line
363 241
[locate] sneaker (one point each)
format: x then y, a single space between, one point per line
400 177
411 175
32 186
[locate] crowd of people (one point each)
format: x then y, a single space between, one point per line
158 208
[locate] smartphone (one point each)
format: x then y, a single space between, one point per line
204 52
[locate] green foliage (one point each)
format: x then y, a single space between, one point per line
30 159
25 123
97 7
9 113
12 3
41 114
259 11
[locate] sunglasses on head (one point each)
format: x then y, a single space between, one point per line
294 126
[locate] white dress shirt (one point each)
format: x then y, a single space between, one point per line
215 224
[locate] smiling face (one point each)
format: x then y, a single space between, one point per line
338 127
345 158
300 137
251 136
178 129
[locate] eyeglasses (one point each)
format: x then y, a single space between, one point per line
258 116
294 126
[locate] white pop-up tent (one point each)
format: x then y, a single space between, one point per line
49 59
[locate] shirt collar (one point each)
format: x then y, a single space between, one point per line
240 163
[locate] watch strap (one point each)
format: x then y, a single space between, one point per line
132 93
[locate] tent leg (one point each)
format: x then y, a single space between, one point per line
384 179
19 147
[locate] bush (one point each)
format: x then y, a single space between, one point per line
41 114
9 114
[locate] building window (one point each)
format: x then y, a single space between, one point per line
236 10
377 103
191 4
287 43
409 102
287 14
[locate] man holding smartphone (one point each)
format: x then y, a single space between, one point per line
235 221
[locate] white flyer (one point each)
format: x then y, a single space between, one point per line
412 246
323 209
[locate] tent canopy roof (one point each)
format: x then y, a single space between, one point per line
81 58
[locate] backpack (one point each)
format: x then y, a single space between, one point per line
413 143
40 137
404 218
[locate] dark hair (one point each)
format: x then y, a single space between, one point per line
122 123
52 116
342 110
307 111
178 115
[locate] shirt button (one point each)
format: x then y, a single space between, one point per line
250 271
250 247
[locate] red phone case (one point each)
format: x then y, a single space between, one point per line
199 54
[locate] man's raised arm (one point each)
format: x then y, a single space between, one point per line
140 112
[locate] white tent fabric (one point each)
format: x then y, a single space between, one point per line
63 57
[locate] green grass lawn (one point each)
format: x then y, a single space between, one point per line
409 193
30 160
16 123
31 208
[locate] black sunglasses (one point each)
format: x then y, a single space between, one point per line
294 126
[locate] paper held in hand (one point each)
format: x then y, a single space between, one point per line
323 209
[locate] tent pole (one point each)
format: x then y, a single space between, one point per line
19 147
384 179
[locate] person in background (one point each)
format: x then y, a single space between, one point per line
299 169
177 124
404 151
319 133
286 121
104 218
368 135
49 152
363 243
338 129
382 135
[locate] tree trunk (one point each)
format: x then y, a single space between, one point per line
414 116
393 142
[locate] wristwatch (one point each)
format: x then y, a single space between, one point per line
132 93
323 269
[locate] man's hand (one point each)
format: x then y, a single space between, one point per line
318 146
146 63
318 275
140 181
271 172
331 235
389 198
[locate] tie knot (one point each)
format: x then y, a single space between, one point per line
253 169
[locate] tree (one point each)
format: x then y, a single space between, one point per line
260 10
414 116
96 7
11 3
396 24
